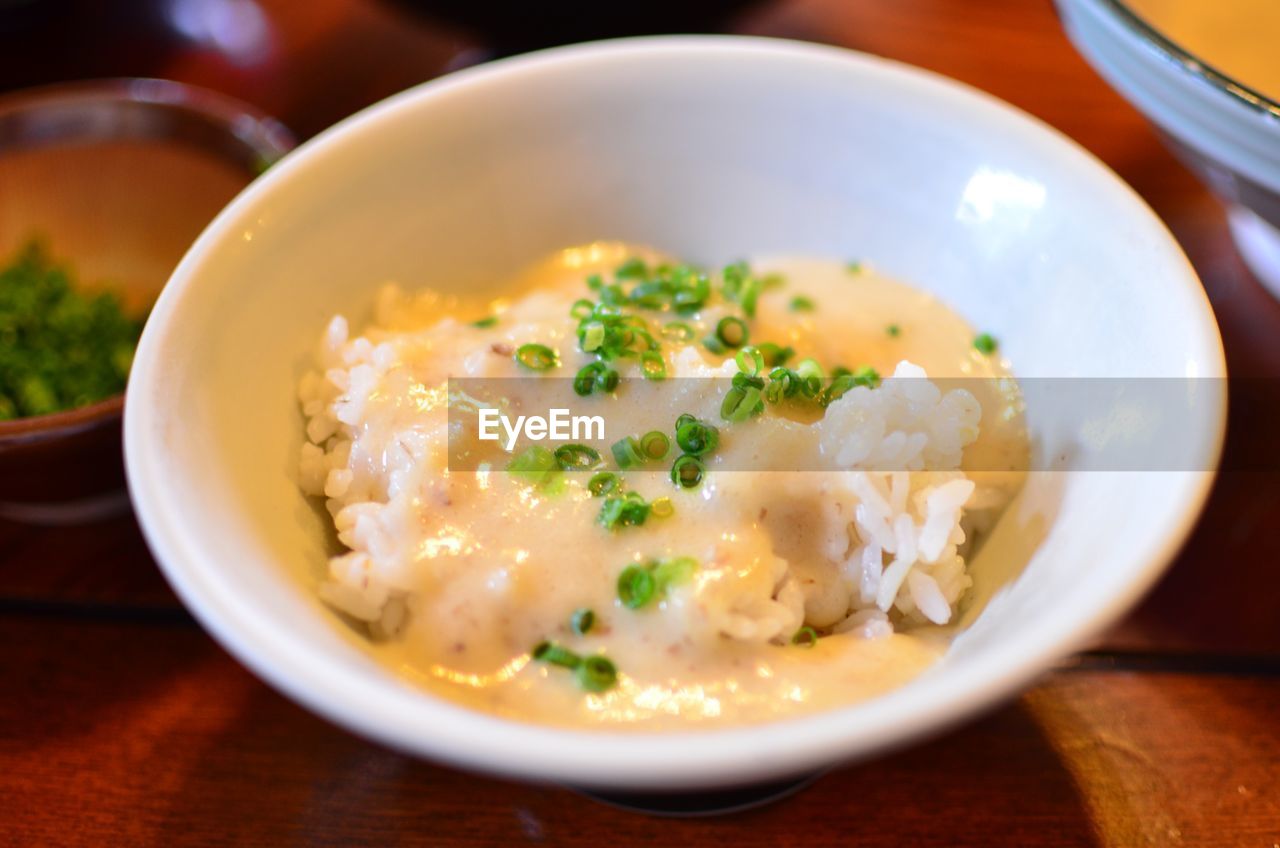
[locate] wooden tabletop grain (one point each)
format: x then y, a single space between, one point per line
123 723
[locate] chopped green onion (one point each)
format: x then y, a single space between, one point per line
550 652
750 292
677 331
695 437
806 636
741 403
893 330
626 510
714 345
607 381
750 361
655 445
800 303
536 357
603 483
533 464
596 674
485 323
809 368
634 268
662 508
774 354
866 376
577 457
732 332
741 287
594 282
584 382
985 343
626 452
582 621
591 336
673 572
582 309
853 267
640 585
653 366
636 586
687 471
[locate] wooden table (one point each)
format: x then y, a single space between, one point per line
122 723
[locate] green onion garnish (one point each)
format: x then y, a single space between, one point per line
623 510
582 309
550 652
596 674
714 345
677 331
626 452
652 365
806 636
853 267
655 445
774 354
750 361
582 621
732 332
636 586
577 457
633 268
603 483
591 336
607 381
674 571
800 303
536 357
533 464
695 437
866 376
893 330
740 403
687 471
485 323
985 343
584 382
809 368
639 585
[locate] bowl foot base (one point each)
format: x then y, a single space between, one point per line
696 803
1259 244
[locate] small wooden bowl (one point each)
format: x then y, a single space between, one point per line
116 178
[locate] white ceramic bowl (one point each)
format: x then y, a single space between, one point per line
709 148
1225 131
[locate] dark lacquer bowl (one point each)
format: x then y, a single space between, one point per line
115 178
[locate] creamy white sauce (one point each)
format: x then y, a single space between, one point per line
461 572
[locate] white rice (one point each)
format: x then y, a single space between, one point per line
896 451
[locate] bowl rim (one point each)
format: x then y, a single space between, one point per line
1207 73
255 131
408 719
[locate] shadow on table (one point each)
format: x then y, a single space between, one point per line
279 776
